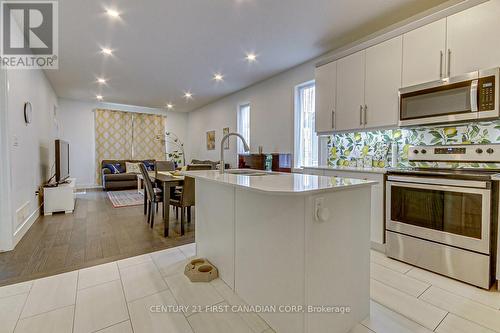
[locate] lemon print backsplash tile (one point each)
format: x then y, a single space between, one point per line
363 148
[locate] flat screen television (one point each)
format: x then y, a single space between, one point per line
62 160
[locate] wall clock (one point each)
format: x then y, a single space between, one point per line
28 112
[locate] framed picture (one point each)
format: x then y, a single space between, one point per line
211 140
225 131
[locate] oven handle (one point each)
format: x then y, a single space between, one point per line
473 96
441 181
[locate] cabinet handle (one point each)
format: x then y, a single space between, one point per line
365 114
361 115
441 64
333 119
449 62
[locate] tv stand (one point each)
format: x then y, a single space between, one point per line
59 198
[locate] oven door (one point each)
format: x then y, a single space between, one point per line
452 212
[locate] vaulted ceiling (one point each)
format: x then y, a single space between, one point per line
164 48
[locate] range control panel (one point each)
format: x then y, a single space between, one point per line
486 92
456 153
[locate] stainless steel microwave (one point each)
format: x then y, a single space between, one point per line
470 96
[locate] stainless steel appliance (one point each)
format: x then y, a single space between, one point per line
466 97
445 219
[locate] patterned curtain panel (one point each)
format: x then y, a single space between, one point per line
113 137
149 136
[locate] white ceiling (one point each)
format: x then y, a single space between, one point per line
165 47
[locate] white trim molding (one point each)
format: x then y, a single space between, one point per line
6 217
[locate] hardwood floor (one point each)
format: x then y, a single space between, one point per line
95 233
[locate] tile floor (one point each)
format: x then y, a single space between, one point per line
116 298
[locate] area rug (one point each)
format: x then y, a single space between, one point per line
125 198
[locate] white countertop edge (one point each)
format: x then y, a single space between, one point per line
282 192
348 169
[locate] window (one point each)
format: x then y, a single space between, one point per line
243 119
306 140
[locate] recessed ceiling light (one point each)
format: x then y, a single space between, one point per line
188 95
101 80
218 77
251 57
99 97
170 106
107 51
112 13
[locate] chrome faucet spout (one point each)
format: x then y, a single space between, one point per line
226 137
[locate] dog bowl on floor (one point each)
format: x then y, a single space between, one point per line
201 270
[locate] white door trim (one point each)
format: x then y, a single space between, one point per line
6 232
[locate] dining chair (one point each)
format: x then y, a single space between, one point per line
190 167
164 166
185 200
155 195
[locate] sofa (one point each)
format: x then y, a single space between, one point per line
119 181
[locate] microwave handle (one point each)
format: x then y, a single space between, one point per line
473 96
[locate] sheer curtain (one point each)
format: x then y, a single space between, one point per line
243 119
306 140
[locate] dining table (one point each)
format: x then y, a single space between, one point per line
167 183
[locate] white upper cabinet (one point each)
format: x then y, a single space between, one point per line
424 54
326 81
473 38
350 91
383 79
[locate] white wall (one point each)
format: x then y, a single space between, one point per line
31 147
76 122
271 116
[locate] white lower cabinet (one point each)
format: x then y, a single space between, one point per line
377 200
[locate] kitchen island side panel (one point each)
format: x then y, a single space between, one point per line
269 254
338 260
214 231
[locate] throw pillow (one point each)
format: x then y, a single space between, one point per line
114 168
132 167
150 166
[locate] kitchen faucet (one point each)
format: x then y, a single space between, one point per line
226 137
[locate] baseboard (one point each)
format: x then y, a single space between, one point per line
378 247
25 226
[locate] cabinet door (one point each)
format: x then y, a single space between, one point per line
473 38
383 79
424 52
326 82
350 91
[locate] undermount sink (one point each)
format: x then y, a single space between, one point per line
247 172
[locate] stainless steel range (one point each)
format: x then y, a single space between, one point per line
445 219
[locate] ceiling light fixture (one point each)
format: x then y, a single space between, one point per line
101 80
99 97
251 57
107 51
188 95
170 106
218 77
112 13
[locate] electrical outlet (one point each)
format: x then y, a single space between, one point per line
15 141
321 213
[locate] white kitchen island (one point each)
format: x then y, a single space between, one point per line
289 240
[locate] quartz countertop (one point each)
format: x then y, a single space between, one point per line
350 169
280 183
